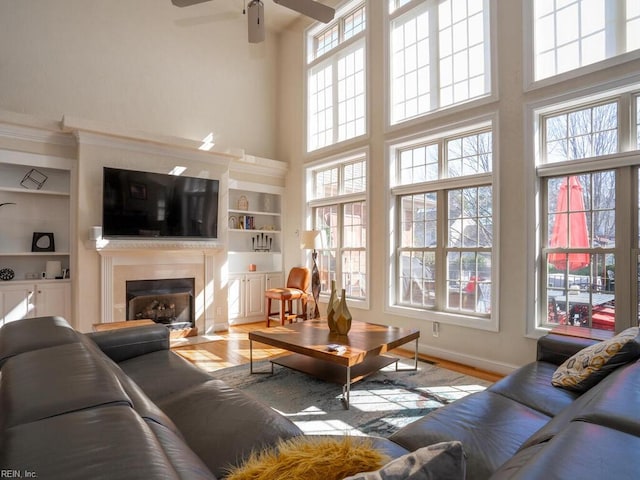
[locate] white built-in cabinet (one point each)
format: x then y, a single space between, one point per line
24 300
246 293
255 242
27 210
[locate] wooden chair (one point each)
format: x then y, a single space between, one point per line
296 289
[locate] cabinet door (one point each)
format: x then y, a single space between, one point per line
53 299
18 302
236 296
254 288
275 280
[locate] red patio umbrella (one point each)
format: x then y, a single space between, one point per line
570 227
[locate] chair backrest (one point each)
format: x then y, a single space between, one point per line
299 277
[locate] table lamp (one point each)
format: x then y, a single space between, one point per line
310 240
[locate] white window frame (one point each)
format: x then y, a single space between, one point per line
538 170
492 73
528 56
480 321
333 56
340 200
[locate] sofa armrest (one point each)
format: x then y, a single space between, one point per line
556 349
125 343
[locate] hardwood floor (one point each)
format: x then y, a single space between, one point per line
230 348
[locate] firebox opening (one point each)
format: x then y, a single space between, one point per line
165 301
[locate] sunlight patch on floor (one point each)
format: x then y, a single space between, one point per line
394 399
328 427
450 393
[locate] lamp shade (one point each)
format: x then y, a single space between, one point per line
310 240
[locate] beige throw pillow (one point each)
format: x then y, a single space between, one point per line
590 365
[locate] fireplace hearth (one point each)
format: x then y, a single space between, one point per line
166 301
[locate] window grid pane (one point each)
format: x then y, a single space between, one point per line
418 164
584 133
573 33
320 85
410 66
454 32
461 54
580 259
326 183
417 279
469 155
326 41
351 95
354 259
355 177
470 218
418 222
637 101
326 220
469 282
354 23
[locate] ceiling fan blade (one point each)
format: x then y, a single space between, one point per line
187 3
310 8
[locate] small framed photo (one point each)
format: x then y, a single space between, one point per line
43 242
138 191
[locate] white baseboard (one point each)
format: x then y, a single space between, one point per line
468 360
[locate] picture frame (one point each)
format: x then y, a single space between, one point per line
43 242
138 191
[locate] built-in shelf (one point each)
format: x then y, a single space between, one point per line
34 254
27 191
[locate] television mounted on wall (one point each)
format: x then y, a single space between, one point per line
156 205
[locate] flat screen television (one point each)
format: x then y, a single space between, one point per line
145 204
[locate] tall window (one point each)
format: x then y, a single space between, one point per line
584 171
339 210
439 55
573 33
444 222
336 79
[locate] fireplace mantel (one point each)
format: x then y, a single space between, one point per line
140 259
110 247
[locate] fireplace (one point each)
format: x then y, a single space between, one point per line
166 301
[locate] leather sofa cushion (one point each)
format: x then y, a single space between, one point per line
490 426
33 334
102 443
163 373
139 400
582 450
553 348
223 425
531 386
125 343
614 405
607 403
55 380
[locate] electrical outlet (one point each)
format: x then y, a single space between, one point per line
436 329
219 311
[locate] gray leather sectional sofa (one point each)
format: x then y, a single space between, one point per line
121 405
522 427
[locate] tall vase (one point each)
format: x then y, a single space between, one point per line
331 308
343 316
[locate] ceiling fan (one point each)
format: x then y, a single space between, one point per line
255 12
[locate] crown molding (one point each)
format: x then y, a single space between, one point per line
92 133
39 134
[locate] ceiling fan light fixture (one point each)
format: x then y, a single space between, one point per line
255 12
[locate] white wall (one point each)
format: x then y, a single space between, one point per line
141 65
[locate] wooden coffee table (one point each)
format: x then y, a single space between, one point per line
366 345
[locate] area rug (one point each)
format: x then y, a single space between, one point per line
380 404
